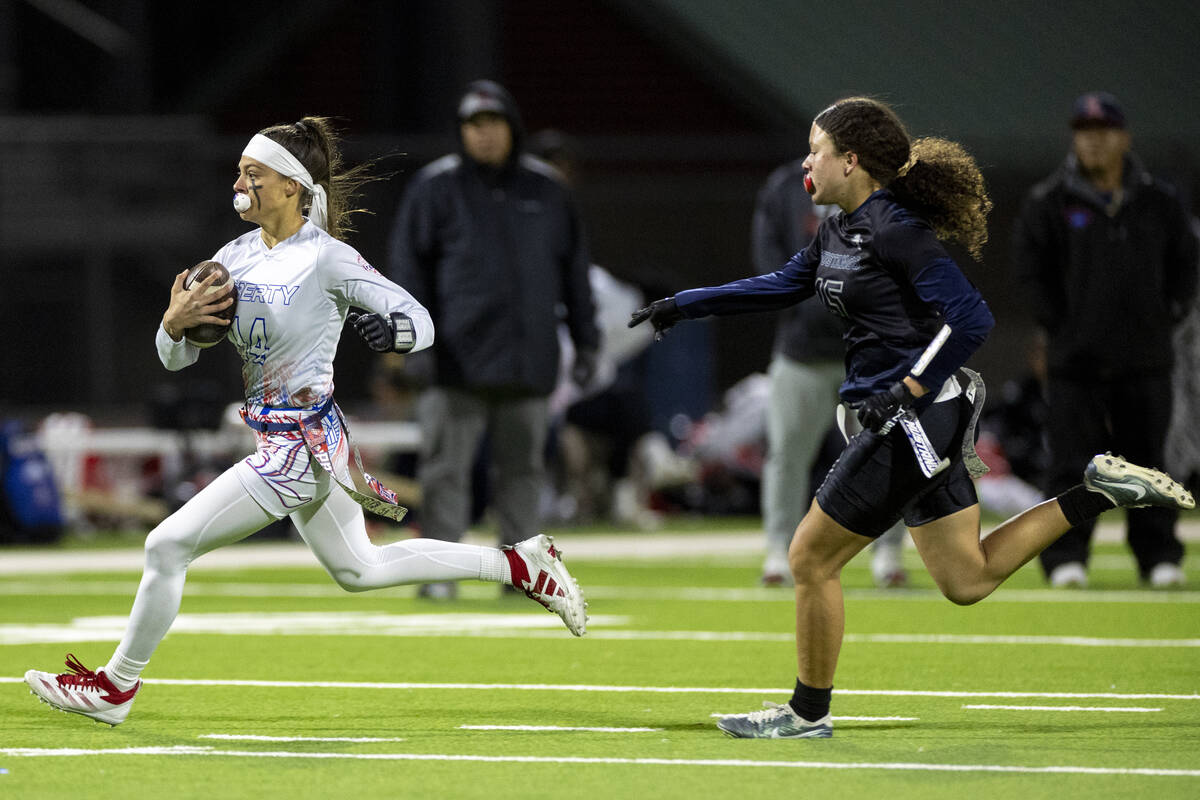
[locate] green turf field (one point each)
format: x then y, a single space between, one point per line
275 683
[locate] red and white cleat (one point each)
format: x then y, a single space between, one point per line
538 570
82 691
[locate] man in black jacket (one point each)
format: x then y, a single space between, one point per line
1110 263
488 239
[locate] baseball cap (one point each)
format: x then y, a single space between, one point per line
477 102
1097 110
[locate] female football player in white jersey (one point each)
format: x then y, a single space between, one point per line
295 282
913 319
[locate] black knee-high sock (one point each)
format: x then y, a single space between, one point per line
811 704
1080 504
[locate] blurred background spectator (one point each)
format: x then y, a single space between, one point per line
489 240
1108 259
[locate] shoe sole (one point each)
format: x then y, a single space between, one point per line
816 733
93 717
1131 486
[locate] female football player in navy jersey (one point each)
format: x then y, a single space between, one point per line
296 282
913 319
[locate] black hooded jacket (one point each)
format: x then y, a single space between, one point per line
1108 285
498 257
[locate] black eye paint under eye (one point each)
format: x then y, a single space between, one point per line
254 187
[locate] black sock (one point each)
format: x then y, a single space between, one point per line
1080 504
811 704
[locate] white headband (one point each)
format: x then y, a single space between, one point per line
277 157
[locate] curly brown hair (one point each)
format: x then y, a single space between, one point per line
935 178
314 142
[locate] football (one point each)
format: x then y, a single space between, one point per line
206 335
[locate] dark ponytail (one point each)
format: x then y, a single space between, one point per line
315 143
934 178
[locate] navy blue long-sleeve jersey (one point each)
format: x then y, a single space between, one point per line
883 270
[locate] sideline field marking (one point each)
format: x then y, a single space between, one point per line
892 638
590 729
1061 708
496 625
582 687
304 623
472 590
709 547
187 750
248 737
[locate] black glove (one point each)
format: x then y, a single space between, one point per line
584 368
877 409
663 314
391 334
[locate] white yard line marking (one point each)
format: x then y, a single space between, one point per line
321 623
892 638
1060 708
497 625
184 750
247 737
579 687
840 719
1015 695
556 728
1062 641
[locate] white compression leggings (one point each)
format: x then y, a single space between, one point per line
333 528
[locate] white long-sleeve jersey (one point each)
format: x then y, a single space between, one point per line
292 304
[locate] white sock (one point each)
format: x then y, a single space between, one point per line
493 566
123 671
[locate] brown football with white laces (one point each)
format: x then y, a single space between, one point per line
207 334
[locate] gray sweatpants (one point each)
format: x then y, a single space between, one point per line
799 413
453 423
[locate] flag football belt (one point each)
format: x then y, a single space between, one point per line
290 425
928 460
385 504
976 393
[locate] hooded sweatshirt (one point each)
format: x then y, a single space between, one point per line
1108 278
498 257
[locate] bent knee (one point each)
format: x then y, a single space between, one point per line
352 580
965 594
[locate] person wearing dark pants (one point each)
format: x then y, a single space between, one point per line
1128 416
490 241
1109 261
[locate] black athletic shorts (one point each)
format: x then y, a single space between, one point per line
889 484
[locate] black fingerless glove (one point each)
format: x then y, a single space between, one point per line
391 334
877 409
663 314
